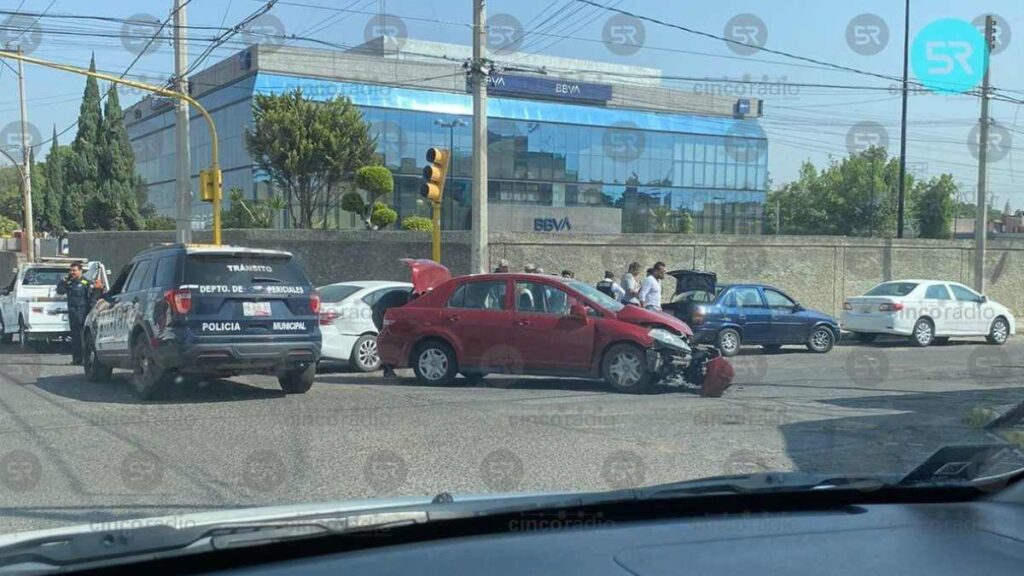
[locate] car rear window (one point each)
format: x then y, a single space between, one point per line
43 276
892 289
242 269
336 293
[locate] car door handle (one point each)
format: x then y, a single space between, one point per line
523 322
452 319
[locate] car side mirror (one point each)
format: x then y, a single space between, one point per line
579 312
798 307
982 299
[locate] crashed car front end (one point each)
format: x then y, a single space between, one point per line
671 356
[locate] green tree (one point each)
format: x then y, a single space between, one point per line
685 222
378 183
81 178
661 219
245 213
934 209
306 148
8 226
117 168
382 216
54 170
11 200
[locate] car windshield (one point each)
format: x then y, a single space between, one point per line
596 296
43 276
561 247
892 289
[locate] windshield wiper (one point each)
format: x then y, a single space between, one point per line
765 482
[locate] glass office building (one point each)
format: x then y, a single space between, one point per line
560 158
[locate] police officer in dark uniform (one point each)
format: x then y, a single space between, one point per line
81 296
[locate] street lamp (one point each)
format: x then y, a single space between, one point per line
450 125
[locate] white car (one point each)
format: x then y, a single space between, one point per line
926 311
30 305
346 321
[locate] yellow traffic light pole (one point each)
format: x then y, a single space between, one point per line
434 175
214 145
435 240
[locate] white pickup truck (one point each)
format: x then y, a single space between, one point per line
30 305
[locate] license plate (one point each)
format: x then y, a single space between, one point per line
256 308
866 308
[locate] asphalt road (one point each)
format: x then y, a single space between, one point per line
75 452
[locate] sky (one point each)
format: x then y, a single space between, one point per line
813 111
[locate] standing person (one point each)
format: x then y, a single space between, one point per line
631 285
568 274
610 287
81 294
502 267
650 290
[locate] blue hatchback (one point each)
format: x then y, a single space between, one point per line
731 315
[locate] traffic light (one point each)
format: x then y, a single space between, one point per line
434 174
210 182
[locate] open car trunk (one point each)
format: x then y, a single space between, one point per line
693 287
425 275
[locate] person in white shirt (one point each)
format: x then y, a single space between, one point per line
630 285
650 290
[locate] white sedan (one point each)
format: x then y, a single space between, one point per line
926 311
346 321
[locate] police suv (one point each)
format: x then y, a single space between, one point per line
180 310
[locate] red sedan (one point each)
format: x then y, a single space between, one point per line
534 324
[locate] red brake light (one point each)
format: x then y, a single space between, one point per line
180 300
896 307
314 303
328 316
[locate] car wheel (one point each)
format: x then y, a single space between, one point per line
22 333
771 347
728 342
923 334
297 381
865 337
999 331
434 363
364 354
95 370
5 337
822 339
941 340
625 370
148 381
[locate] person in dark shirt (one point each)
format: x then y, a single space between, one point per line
81 295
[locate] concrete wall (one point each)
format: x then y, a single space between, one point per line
820 272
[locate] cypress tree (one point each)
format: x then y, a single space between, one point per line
117 165
82 176
54 185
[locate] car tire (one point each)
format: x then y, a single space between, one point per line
923 333
148 380
864 337
434 363
822 340
941 340
771 348
95 370
364 357
624 369
999 331
22 333
297 381
5 337
728 342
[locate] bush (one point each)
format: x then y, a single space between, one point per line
376 180
382 215
159 223
353 202
418 223
8 226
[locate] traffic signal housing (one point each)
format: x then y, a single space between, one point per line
434 174
210 182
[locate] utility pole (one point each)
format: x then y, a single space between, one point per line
981 214
478 76
28 235
183 176
903 125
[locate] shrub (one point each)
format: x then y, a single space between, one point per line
353 202
376 180
382 215
418 223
